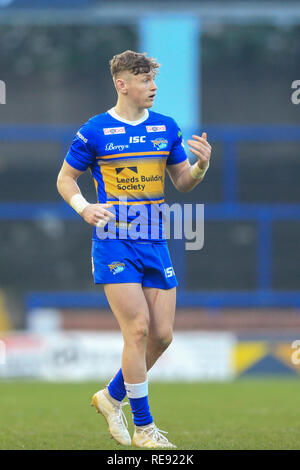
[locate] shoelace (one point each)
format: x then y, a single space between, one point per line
121 416
155 433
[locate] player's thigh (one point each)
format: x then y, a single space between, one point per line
162 306
129 305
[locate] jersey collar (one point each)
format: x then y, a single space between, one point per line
113 113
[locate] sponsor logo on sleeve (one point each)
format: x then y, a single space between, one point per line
113 130
81 137
160 128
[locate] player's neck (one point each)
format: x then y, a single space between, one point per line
130 113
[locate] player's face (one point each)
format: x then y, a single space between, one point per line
141 89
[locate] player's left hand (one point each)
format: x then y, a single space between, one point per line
201 148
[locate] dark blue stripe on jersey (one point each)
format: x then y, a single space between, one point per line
97 174
132 200
128 158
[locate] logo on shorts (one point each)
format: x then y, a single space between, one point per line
116 267
159 143
169 272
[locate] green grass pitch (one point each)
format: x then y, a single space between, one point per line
243 414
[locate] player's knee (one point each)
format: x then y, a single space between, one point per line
140 329
163 340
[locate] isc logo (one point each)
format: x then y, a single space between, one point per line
169 272
137 138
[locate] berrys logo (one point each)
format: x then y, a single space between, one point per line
111 146
114 130
156 128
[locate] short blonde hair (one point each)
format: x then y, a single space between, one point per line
133 62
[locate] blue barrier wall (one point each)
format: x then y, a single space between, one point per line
229 209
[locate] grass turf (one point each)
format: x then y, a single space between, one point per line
243 414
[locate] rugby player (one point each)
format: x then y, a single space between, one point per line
127 149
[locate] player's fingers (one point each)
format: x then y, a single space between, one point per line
201 139
195 152
197 143
105 204
197 137
198 154
203 136
101 222
109 214
198 146
101 213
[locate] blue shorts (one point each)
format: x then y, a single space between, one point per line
119 261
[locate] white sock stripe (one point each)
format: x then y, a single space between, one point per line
137 390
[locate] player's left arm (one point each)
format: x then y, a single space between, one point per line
185 176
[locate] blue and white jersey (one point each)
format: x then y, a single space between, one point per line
128 161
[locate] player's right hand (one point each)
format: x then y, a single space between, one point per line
97 214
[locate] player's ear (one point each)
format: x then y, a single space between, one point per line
121 86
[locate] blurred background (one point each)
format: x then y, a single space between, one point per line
227 69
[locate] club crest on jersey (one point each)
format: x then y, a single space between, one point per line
156 128
159 144
116 267
113 130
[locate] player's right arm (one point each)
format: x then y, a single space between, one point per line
94 214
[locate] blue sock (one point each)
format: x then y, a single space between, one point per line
138 397
141 411
116 386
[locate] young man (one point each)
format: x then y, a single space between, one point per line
127 150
